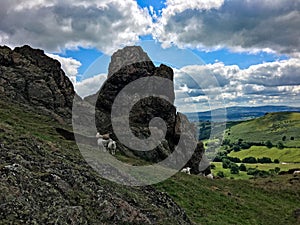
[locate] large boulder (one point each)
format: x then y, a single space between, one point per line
127 66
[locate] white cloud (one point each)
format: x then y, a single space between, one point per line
69 65
90 86
54 25
240 25
266 83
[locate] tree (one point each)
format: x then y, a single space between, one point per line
212 166
234 169
292 138
269 144
264 160
280 145
277 169
284 138
249 160
243 167
276 161
236 148
226 163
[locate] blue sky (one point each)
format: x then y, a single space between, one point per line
246 52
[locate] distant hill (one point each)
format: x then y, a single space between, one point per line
276 127
238 113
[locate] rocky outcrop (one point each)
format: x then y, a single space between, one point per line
29 76
127 66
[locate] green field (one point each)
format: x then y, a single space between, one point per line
283 126
289 155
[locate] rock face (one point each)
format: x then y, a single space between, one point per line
127 66
29 76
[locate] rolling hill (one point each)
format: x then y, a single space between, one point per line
275 127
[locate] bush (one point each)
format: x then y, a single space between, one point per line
243 167
245 145
283 138
234 168
236 148
249 160
280 145
269 144
226 163
212 166
264 160
276 161
277 169
234 159
220 174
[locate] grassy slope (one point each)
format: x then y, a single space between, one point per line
205 201
261 201
271 127
290 155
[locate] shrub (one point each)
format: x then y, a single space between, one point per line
220 174
276 161
226 163
277 169
249 160
280 145
269 144
284 138
243 167
234 159
212 166
234 169
245 145
236 148
264 160
292 138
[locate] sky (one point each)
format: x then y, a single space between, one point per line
223 52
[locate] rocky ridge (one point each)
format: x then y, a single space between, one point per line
29 76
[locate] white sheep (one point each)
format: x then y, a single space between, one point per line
186 170
296 172
112 146
210 176
100 144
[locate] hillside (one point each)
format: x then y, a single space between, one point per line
275 127
266 201
43 177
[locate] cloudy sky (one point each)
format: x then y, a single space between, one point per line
224 52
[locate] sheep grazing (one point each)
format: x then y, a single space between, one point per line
186 170
112 146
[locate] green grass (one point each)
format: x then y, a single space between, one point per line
261 201
273 127
290 155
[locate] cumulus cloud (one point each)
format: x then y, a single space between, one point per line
267 83
54 25
240 25
90 86
69 65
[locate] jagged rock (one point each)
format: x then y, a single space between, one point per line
126 67
29 76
